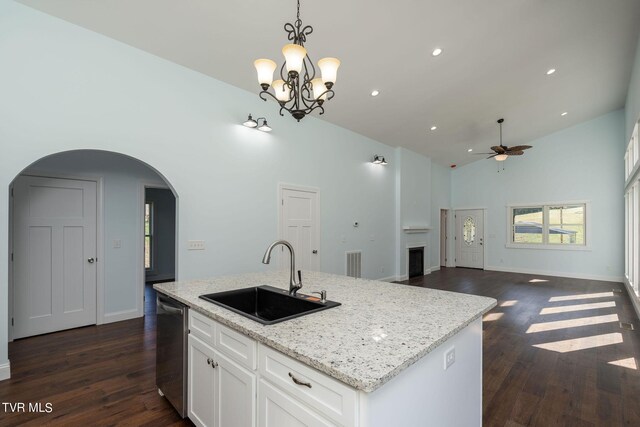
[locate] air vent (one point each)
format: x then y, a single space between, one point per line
354 264
616 291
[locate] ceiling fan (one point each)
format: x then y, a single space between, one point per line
501 152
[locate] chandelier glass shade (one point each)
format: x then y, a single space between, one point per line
299 90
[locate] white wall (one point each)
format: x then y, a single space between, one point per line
121 177
66 88
583 162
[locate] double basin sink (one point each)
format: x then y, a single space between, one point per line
268 305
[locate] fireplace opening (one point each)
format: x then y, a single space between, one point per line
416 262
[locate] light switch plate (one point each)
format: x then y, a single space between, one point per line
195 245
117 243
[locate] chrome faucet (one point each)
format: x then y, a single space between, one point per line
293 286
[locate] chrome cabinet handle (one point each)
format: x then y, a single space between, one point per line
91 260
297 381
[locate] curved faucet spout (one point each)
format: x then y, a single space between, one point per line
266 259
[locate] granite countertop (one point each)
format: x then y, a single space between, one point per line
379 330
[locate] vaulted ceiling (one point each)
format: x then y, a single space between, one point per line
495 57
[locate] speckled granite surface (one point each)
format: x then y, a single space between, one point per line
379 330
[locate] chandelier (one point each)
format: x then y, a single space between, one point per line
298 90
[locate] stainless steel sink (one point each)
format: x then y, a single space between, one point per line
268 305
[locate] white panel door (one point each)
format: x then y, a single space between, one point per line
54 226
299 226
470 238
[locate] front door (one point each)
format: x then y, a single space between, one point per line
470 238
54 254
299 226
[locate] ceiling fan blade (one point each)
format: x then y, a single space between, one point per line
483 154
515 153
519 148
498 149
492 156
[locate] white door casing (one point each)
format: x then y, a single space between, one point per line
55 254
470 238
300 225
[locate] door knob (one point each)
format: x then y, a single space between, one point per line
91 260
315 251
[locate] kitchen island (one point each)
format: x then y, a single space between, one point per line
379 359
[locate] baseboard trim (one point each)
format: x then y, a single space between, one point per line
387 279
119 316
617 279
633 297
5 371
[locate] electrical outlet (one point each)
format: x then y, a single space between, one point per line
449 358
195 245
117 244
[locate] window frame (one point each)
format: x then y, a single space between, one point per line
586 246
151 268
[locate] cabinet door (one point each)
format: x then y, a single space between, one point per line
277 409
235 401
201 392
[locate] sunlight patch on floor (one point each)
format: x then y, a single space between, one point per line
566 346
538 280
572 323
626 363
490 317
581 296
578 307
509 303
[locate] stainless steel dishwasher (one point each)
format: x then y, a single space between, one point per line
172 329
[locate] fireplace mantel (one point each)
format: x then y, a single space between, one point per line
412 229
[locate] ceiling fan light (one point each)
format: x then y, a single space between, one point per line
294 56
501 157
265 69
282 91
329 69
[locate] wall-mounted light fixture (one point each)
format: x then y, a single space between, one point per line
379 160
255 124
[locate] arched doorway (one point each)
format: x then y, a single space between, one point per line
77 235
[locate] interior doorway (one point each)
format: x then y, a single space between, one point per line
75 232
299 224
443 237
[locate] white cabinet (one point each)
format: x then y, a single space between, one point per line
234 402
201 392
278 409
221 393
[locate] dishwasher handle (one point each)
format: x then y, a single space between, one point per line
163 305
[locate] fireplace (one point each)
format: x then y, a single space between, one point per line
416 262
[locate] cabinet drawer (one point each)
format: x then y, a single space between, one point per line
239 348
276 409
202 327
324 394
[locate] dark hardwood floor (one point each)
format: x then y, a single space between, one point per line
544 365
554 353
93 376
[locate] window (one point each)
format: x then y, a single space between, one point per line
148 236
551 226
632 213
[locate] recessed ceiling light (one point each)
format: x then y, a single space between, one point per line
564 114
375 93
437 51
551 71
434 127
470 150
